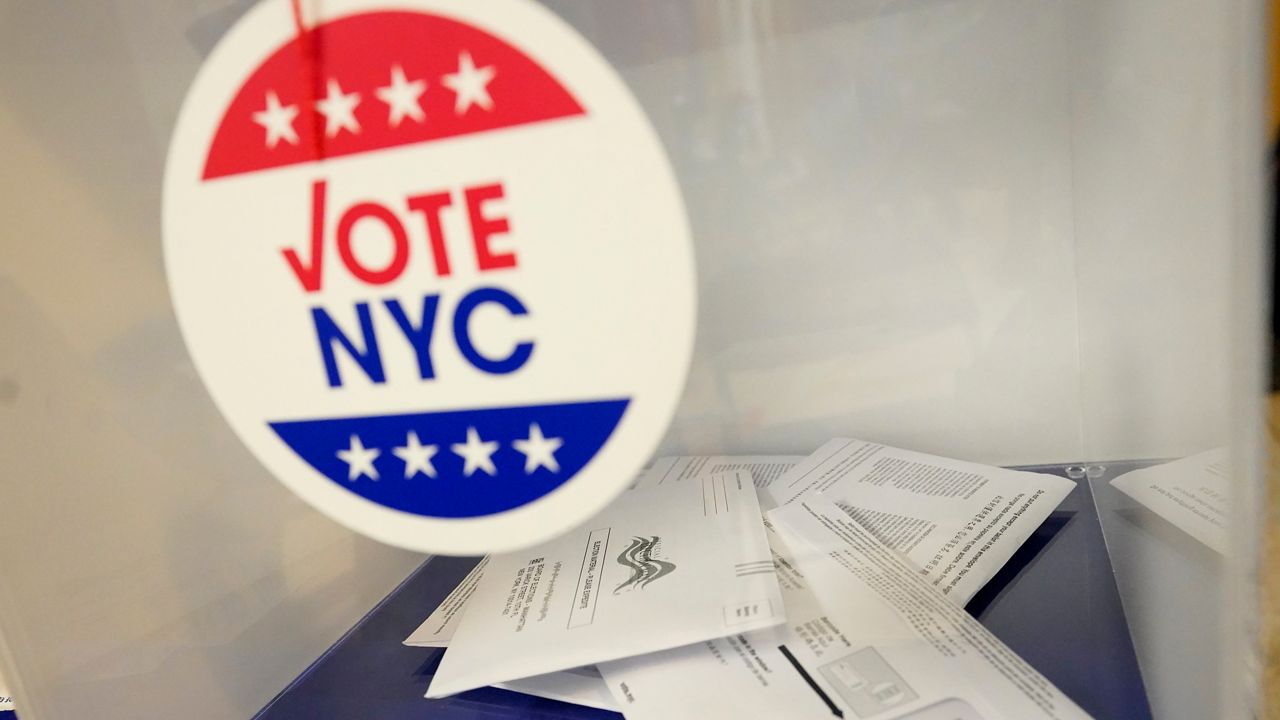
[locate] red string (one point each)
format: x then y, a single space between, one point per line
311 77
297 18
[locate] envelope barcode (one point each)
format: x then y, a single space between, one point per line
757 567
747 611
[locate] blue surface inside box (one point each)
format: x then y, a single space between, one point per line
1055 603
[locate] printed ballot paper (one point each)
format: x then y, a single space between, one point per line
1192 493
866 636
959 521
661 567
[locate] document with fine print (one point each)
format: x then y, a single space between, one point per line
867 636
1192 493
959 521
662 567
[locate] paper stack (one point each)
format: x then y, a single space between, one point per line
765 587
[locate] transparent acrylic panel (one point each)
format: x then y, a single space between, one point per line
1016 232
151 565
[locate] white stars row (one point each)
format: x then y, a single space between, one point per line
476 453
470 86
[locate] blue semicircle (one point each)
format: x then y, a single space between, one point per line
502 436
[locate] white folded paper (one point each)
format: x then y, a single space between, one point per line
1192 493
437 629
581 686
887 608
746 675
663 566
764 469
959 521
867 636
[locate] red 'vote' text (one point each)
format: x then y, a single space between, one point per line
426 208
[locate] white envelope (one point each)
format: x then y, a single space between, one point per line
661 567
438 628
580 686
740 676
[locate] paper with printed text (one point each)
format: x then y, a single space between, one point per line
867 635
1192 493
662 567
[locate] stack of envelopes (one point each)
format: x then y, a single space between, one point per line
765 587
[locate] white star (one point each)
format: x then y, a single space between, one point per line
339 110
278 121
477 454
416 456
539 451
401 97
359 459
470 85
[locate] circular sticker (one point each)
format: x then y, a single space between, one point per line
432 264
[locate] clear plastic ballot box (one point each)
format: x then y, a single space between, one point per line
1017 232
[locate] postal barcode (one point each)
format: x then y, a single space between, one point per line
757 567
747 611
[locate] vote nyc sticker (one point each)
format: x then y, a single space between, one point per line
432 264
